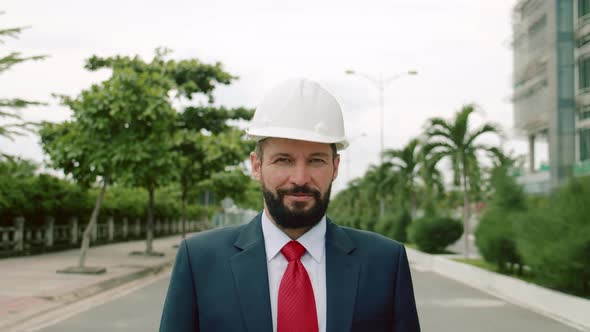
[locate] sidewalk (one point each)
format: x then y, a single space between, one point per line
30 286
565 308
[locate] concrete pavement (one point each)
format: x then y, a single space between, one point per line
30 286
444 305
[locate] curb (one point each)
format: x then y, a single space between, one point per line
567 309
88 291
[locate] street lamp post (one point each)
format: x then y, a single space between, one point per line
381 84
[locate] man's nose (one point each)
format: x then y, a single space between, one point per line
300 174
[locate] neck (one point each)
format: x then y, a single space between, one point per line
292 233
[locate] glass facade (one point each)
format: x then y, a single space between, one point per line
584 135
584 73
583 7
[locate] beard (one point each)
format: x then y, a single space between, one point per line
298 216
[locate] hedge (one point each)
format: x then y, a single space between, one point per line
433 234
554 238
495 233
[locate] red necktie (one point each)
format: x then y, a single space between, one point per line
296 312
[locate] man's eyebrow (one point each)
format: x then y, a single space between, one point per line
320 154
280 154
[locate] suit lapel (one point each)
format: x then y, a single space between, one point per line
342 272
251 278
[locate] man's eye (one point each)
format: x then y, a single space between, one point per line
318 161
282 160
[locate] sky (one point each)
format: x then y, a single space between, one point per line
460 48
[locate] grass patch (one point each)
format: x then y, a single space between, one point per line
480 263
415 247
527 275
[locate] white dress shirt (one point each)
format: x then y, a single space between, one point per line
314 261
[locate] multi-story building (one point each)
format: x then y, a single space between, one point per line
582 85
544 93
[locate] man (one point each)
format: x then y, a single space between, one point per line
291 269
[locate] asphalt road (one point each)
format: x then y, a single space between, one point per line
443 305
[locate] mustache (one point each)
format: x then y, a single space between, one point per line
299 190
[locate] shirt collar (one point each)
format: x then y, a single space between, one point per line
313 240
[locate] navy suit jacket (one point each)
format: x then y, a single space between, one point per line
220 283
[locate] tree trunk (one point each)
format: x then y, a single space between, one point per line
150 223
91 223
184 213
466 228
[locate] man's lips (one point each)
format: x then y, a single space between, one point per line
300 196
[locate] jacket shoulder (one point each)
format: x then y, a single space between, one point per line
213 240
373 243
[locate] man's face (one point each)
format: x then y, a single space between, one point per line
296 178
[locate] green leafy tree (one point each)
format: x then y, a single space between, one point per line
455 140
206 144
17 177
252 197
86 148
151 122
9 106
230 183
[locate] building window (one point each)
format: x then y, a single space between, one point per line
584 73
584 112
583 7
584 144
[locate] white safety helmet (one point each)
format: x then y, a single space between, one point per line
299 109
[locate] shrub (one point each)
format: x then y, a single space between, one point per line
434 233
394 225
554 239
494 235
495 239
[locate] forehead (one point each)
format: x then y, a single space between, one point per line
293 147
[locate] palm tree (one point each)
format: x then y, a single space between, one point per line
454 140
432 181
406 163
13 124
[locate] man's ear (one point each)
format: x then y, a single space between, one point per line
336 165
256 163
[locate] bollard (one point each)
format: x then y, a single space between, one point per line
74 230
19 234
125 227
49 223
111 229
